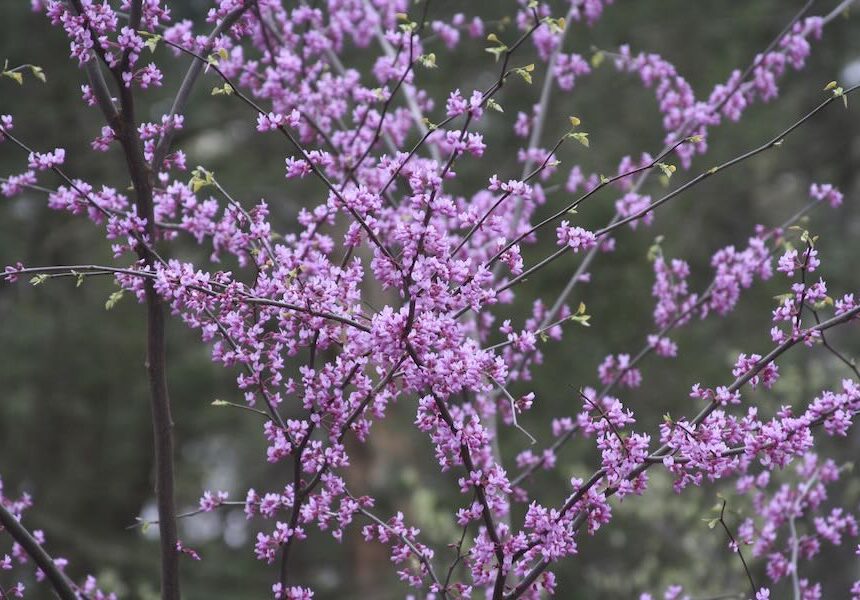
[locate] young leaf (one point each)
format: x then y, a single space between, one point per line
38 73
428 60
580 136
225 90
14 76
152 40
667 169
526 72
113 299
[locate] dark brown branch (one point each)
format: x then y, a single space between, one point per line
156 354
59 581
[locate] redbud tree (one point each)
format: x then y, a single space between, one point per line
395 282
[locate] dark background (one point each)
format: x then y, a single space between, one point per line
74 413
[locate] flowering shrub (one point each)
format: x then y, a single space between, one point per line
384 155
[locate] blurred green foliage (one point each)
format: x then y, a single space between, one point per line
74 417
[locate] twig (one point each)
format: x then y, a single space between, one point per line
736 547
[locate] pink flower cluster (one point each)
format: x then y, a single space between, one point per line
388 289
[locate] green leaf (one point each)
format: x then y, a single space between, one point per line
580 316
498 49
38 73
152 40
555 25
428 60
224 90
656 249
828 301
581 319
201 178
113 299
808 238
39 279
15 76
493 105
667 169
580 136
213 58
526 72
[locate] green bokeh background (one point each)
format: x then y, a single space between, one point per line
74 415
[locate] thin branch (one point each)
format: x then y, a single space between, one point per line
680 133
412 548
374 238
141 522
736 547
513 402
772 143
242 298
191 77
665 450
65 589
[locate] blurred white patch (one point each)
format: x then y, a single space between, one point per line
149 514
201 528
850 74
235 529
216 143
